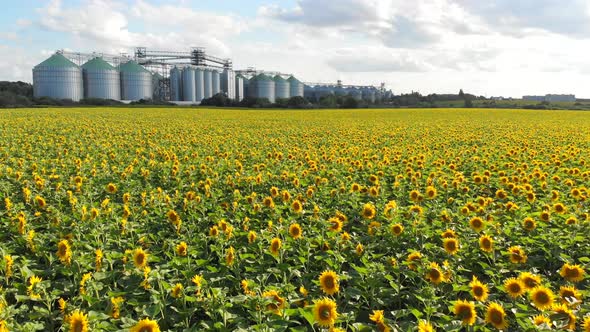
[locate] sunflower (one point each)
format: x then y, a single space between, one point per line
570 295
146 325
368 211
517 255
213 231
335 224
64 252
477 224
540 320
449 233
40 201
230 255
78 322
542 297
295 231
486 243
359 249
465 311
514 287
297 207
140 258
431 192
251 237
496 316
586 324
412 258
571 220
274 191
33 281
181 249
414 195
397 229
530 280
561 310
424 326
573 273
355 188
177 291
545 216
529 224
268 202
276 301
434 274
111 188
479 290
377 316
275 245
324 312
329 282
451 245
559 208
345 237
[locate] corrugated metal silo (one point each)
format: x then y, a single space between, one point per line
199 84
355 93
240 87
188 84
208 84
296 87
101 80
215 82
368 95
175 84
228 83
136 81
246 87
59 78
158 86
264 87
282 87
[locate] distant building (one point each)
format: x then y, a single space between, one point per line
551 98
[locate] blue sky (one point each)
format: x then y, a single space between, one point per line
493 47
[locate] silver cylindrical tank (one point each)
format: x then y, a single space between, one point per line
208 83
175 84
296 87
101 80
199 84
239 87
228 83
355 93
136 81
215 82
282 87
59 78
247 87
188 84
264 87
368 95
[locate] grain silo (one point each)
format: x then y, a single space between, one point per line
369 94
175 84
246 87
136 81
355 93
296 87
101 80
199 84
188 85
228 83
240 87
262 86
215 82
159 91
282 88
58 78
207 83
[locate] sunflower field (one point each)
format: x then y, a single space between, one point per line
151 219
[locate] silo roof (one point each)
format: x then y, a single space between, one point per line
98 63
58 60
132 67
261 77
279 79
293 79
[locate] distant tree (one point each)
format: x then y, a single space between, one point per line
468 103
297 102
350 102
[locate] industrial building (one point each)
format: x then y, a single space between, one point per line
179 77
551 98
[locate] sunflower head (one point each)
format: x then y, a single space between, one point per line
530 280
496 316
78 321
514 287
517 255
451 245
295 231
325 313
486 243
542 297
573 273
275 246
329 282
478 289
465 311
140 258
397 229
435 274
146 325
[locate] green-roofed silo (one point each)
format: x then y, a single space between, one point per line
262 86
58 78
136 81
101 80
282 87
296 87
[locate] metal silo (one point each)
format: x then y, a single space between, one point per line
246 87
215 82
136 81
264 87
355 93
199 84
159 92
282 87
208 84
101 80
59 78
188 84
228 83
175 84
296 87
368 95
240 87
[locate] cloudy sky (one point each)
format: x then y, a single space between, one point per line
491 47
